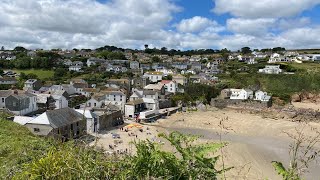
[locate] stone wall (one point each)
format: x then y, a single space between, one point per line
245 104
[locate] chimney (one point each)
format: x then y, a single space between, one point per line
15 92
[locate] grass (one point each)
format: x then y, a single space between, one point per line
307 66
17 147
42 74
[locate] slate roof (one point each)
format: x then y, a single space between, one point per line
80 85
149 92
58 118
135 102
5 93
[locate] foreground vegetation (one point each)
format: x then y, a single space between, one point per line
24 156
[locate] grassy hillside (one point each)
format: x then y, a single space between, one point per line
42 74
24 156
18 146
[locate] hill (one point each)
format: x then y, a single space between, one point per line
17 147
25 156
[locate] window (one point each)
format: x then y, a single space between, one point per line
95 104
2 100
71 127
89 104
36 130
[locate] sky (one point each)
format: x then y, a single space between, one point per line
177 24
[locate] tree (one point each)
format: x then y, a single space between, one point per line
246 50
225 53
164 50
19 49
156 59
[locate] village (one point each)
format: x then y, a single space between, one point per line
145 97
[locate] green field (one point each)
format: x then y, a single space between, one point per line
42 74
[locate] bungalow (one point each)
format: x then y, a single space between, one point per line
271 69
63 123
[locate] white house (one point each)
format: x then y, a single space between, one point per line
92 122
21 103
170 86
241 94
75 68
262 96
134 65
136 94
271 69
133 108
93 61
275 57
3 95
151 104
96 101
61 101
116 98
8 80
154 76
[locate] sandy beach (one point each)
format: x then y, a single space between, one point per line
254 139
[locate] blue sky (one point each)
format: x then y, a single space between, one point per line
178 24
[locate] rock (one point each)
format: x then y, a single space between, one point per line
296 98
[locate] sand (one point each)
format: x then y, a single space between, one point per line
254 139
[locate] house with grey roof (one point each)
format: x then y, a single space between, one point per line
133 108
96 101
62 124
33 84
21 103
116 98
8 80
3 95
134 65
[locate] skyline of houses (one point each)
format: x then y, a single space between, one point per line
142 97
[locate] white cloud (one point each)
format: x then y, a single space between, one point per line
130 23
197 24
256 27
85 23
263 8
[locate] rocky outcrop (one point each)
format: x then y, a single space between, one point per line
305 97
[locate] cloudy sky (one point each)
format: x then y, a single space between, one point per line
179 24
